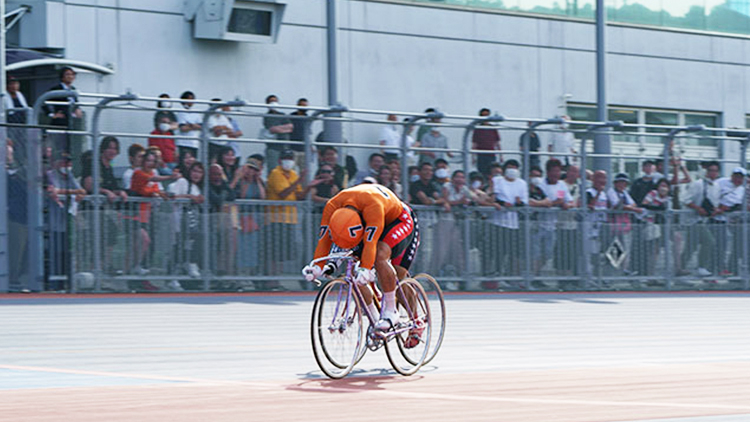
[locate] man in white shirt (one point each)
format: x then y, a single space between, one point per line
390 138
563 142
511 192
190 125
220 126
732 195
703 198
559 197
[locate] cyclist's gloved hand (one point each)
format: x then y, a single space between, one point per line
311 272
329 269
364 276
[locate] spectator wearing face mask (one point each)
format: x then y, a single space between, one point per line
63 193
477 187
167 146
284 184
450 226
442 172
276 127
165 110
511 193
190 124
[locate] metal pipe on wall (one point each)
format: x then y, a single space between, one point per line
602 141
332 128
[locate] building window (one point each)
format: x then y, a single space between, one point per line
655 117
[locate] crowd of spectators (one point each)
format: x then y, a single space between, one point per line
257 239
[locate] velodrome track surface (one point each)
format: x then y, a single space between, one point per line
583 357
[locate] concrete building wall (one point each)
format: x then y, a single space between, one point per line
409 57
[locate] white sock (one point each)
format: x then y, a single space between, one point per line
389 304
389 301
373 311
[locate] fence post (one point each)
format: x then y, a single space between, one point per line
310 227
745 221
668 273
4 258
203 153
97 199
467 166
590 131
528 276
405 148
35 202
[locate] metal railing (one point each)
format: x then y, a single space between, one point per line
160 244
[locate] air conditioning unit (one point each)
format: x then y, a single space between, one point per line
42 27
235 20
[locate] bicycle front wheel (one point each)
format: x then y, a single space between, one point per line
336 329
408 348
437 312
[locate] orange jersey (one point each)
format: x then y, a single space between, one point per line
378 207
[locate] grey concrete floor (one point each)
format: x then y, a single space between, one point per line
583 357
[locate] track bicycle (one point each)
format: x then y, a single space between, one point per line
338 333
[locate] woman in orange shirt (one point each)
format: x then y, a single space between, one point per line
145 182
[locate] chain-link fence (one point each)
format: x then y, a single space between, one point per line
116 202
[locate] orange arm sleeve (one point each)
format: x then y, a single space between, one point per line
324 238
374 218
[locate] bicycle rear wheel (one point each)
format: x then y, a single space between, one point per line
336 329
437 312
414 309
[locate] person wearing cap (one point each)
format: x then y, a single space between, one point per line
63 192
621 221
284 184
732 195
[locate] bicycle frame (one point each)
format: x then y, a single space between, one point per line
351 263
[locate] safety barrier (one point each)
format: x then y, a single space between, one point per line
102 244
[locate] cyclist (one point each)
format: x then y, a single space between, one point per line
373 216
